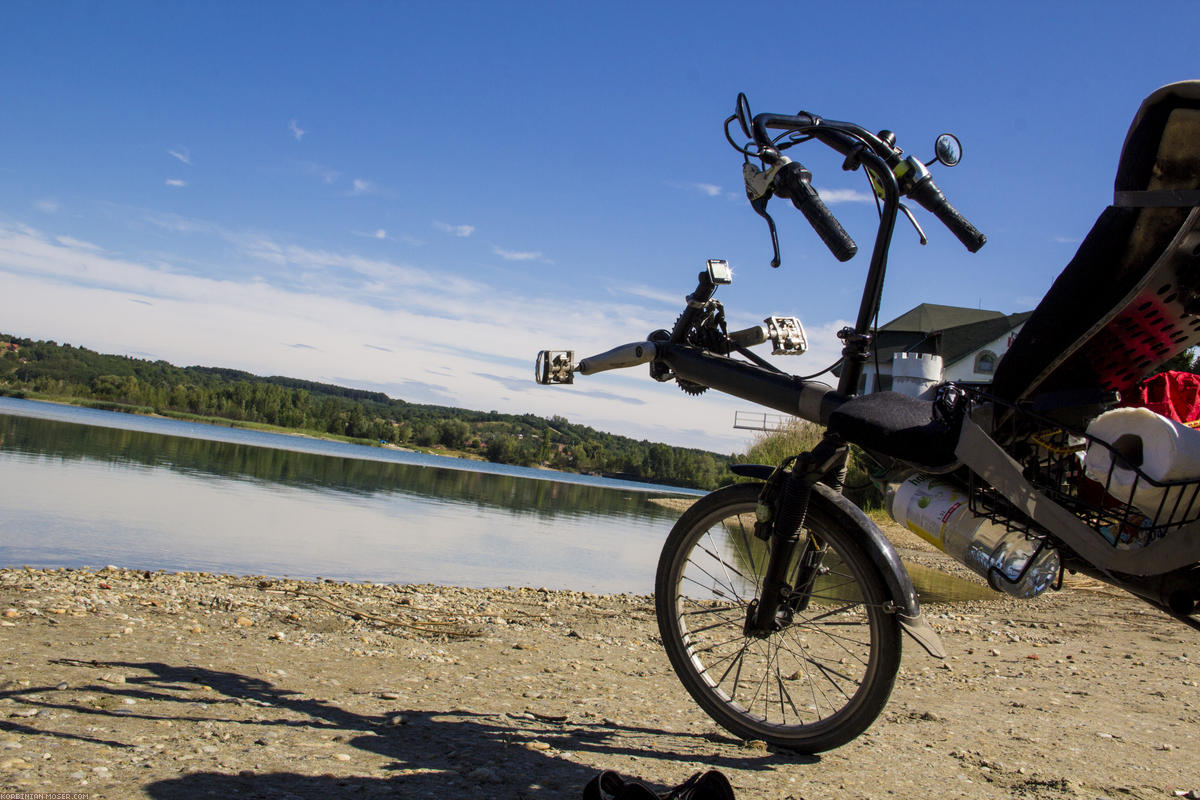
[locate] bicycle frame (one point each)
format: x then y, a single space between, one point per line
809 399
1012 505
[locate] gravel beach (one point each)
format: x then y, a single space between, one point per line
117 683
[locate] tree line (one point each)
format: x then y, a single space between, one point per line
62 371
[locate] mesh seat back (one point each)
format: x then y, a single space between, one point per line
1129 299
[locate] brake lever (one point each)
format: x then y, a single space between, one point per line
758 192
915 224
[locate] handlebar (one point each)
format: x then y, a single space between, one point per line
626 355
927 195
794 182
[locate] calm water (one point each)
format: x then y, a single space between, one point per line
80 487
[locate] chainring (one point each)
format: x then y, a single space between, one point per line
690 387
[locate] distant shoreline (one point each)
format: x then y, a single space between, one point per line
225 422
471 462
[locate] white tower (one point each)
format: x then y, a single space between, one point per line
915 374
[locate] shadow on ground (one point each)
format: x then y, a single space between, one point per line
427 753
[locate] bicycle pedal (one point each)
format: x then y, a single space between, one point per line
787 336
554 366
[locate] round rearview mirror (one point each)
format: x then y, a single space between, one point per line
947 149
743 114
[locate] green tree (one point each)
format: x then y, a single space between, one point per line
453 433
502 449
1187 361
425 434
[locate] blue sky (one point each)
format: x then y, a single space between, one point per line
416 198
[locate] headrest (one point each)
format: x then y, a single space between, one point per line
1162 147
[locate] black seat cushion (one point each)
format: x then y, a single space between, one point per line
896 425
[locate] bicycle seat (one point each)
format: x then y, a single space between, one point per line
896 425
1129 299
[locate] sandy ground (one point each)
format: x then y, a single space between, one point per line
116 683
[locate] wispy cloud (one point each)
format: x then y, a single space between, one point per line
706 189
326 174
462 231
176 182
517 255
67 241
383 235
296 130
268 320
47 205
180 224
182 154
1066 240
361 186
836 196
649 293
378 233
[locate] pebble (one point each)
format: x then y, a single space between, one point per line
483 775
244 622
184 602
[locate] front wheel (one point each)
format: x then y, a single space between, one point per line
813 685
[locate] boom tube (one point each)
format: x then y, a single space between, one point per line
810 400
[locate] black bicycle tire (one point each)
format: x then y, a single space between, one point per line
867 702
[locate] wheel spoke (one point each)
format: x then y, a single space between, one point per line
813 684
729 584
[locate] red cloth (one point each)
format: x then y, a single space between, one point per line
1175 395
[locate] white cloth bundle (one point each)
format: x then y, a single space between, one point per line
1168 450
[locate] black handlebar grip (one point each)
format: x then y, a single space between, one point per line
930 197
795 183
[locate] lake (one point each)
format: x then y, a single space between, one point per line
81 487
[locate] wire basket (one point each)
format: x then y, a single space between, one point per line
1123 504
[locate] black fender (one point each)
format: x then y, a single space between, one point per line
882 554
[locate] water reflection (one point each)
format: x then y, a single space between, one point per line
742 556
205 458
74 495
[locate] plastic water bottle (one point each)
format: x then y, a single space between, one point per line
937 510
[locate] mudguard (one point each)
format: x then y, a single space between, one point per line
882 554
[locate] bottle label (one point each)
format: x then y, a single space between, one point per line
927 505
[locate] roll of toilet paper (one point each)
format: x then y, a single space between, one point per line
1163 449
